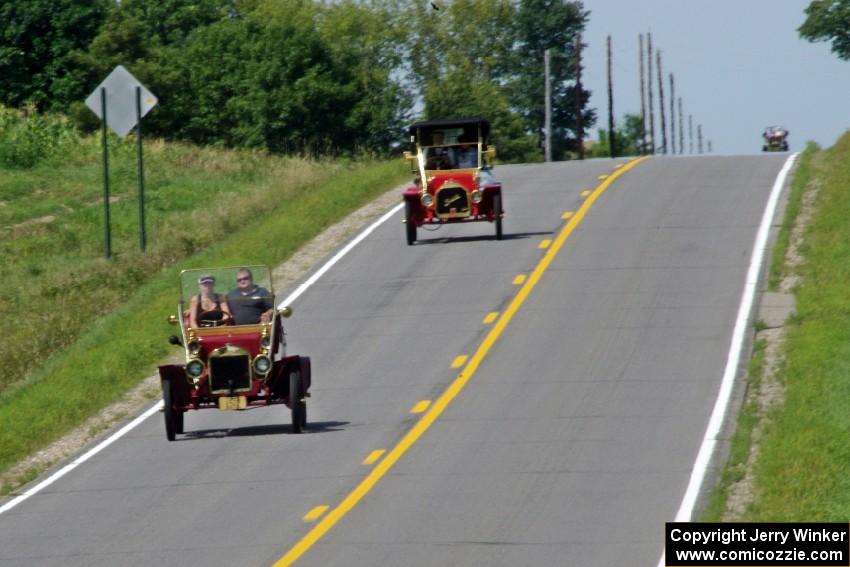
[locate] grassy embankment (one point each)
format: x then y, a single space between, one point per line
802 471
80 329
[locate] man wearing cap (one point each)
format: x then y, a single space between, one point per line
250 303
208 308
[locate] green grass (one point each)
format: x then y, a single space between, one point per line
802 469
81 329
802 177
739 450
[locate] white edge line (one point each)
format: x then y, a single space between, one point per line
718 415
156 407
85 457
338 256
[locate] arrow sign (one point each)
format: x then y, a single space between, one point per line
120 88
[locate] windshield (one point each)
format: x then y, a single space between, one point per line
245 292
463 156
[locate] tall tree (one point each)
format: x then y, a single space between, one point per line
37 39
364 37
459 61
541 25
829 20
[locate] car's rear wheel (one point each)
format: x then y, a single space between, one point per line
171 419
296 403
409 225
497 213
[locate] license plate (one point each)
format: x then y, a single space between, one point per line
232 402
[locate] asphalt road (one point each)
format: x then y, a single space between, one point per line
571 443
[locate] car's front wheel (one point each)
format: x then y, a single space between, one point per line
296 402
497 213
173 419
409 225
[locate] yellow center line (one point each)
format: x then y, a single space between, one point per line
421 406
458 362
427 419
519 280
315 513
374 456
544 243
567 215
492 316
585 193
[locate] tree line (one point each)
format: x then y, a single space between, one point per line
304 76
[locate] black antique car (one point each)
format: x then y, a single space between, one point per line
453 182
234 345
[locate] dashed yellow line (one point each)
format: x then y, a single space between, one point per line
420 406
603 177
492 316
458 362
585 193
374 456
544 244
440 405
315 513
519 280
567 215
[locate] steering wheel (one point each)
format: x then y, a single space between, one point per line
214 318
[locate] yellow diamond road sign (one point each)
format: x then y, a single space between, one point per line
120 88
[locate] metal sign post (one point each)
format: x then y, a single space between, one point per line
107 237
142 236
127 101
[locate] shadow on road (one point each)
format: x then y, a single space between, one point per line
482 237
258 430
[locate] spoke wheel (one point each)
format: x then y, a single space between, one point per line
171 419
296 405
409 225
497 212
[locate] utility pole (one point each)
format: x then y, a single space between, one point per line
709 146
691 134
672 115
547 146
611 136
681 128
642 101
579 101
649 92
661 101
699 138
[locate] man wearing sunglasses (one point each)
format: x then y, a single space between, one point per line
249 303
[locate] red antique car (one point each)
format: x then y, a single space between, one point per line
234 342
775 139
452 181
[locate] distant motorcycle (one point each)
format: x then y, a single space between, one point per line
775 139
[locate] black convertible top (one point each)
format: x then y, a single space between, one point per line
450 122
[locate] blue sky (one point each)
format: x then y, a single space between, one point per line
739 66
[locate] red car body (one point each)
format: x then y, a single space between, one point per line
232 366
452 181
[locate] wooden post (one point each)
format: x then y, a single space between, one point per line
612 139
661 101
579 100
547 109
672 115
649 92
690 134
681 128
